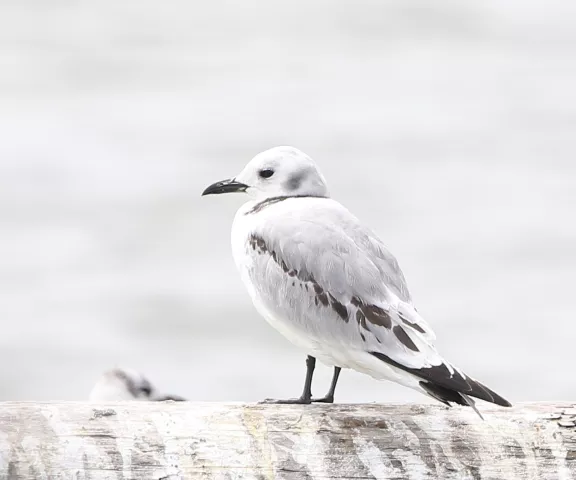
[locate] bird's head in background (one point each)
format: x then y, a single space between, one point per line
126 384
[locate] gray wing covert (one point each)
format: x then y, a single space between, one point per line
350 278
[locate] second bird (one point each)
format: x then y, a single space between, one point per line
328 284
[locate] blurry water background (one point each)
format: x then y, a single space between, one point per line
448 126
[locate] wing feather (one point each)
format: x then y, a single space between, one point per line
345 273
329 278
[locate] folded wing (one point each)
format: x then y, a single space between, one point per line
320 259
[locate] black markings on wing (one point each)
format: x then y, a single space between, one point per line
372 314
367 315
340 309
440 376
404 339
321 297
415 326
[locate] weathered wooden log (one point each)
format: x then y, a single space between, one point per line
213 441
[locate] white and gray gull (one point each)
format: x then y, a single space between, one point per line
328 283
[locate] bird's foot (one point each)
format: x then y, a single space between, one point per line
289 401
326 399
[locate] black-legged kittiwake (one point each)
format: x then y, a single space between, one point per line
328 283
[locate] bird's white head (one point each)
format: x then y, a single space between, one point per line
278 172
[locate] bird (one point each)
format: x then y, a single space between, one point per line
326 282
126 384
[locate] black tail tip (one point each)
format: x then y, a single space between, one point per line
445 395
491 396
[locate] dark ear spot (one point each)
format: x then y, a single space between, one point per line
294 181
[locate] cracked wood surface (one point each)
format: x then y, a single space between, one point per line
236 441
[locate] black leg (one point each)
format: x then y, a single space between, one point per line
329 398
306 396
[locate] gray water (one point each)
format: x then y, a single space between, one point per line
449 127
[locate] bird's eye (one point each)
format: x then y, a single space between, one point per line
266 173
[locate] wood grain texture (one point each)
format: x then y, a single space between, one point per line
233 441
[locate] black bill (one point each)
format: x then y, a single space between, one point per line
225 186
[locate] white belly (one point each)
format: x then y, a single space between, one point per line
302 339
